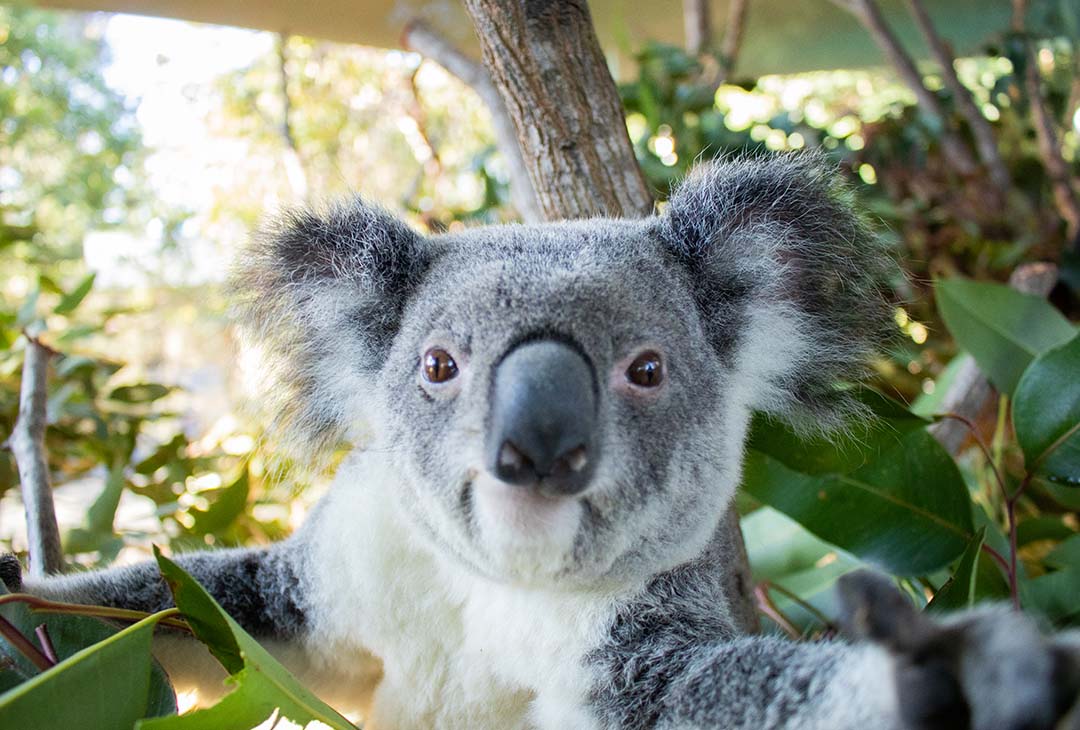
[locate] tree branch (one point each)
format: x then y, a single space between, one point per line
294 166
697 26
28 445
1057 170
420 37
953 147
980 127
733 36
546 62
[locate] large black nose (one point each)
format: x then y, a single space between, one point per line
543 417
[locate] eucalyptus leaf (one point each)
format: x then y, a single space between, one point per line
75 297
263 688
960 590
904 508
140 393
110 684
1003 329
1046 414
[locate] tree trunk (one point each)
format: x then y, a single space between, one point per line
547 64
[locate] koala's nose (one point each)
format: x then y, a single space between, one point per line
543 415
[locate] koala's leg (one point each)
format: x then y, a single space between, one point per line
262 589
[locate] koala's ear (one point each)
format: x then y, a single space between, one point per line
791 282
321 295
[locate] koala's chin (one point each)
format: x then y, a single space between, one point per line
527 537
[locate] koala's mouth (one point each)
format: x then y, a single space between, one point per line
508 517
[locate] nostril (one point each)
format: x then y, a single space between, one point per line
577 459
570 463
514 466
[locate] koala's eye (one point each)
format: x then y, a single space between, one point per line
646 370
439 366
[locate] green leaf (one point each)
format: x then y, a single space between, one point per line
262 686
1003 329
1054 595
1046 414
1042 528
226 504
837 453
74 298
903 506
140 393
105 686
959 591
1065 556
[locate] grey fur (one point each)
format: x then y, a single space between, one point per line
762 289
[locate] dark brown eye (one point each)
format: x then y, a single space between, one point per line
439 366
646 370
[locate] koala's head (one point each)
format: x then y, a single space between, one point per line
568 402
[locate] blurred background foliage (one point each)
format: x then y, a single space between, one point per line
105 262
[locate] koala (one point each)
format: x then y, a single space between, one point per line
547 424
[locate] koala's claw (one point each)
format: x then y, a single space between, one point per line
11 572
986 669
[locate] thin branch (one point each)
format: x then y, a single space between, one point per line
868 13
23 645
974 432
1057 170
45 640
980 127
28 446
697 26
733 37
422 38
766 606
294 166
805 605
126 615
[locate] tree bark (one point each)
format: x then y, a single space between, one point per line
28 445
422 38
547 65
545 60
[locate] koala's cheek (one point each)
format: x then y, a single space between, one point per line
512 520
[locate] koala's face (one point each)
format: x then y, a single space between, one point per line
558 406
568 402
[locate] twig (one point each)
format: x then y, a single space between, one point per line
805 605
294 166
697 26
980 127
1057 170
422 38
766 606
24 645
37 603
870 16
28 446
974 432
45 640
733 36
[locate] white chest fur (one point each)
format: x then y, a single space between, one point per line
456 650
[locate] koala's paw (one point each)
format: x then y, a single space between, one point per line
985 669
11 573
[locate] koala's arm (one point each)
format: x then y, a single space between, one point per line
985 669
261 588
